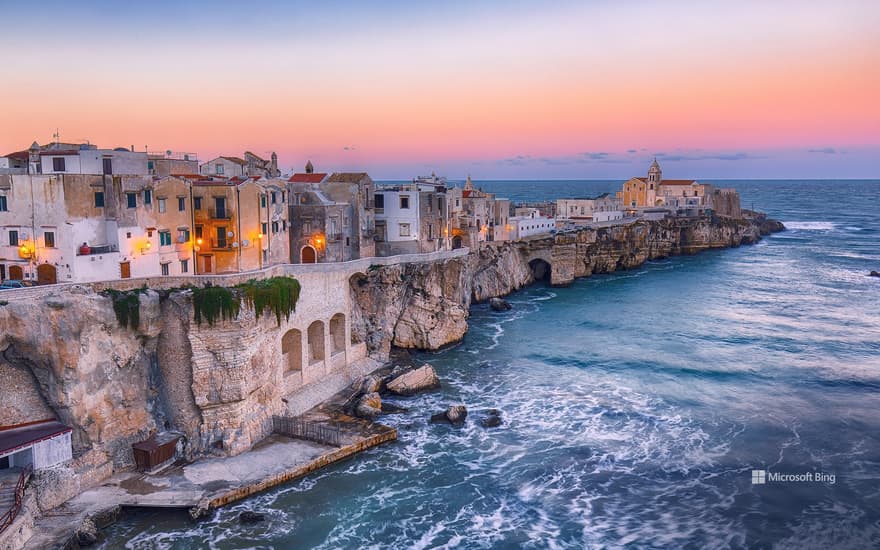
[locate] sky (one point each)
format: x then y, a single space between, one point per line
497 89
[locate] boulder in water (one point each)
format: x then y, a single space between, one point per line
87 533
249 517
499 304
414 381
874 274
454 414
369 406
492 419
370 384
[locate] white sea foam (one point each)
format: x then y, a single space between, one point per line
810 225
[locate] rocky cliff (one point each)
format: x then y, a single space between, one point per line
425 306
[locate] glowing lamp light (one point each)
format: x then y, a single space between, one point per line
260 236
199 241
149 245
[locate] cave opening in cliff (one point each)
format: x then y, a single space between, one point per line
540 270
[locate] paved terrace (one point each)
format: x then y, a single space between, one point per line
212 482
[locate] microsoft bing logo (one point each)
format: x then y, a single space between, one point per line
759 477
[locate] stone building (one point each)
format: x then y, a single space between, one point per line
583 211
170 163
677 197
240 224
333 219
236 167
476 216
411 218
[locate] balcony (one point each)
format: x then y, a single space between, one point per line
219 214
221 245
100 249
334 237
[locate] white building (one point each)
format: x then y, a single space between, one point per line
411 218
583 211
38 445
528 222
88 159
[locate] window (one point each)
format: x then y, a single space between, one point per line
132 199
99 199
3 205
165 269
264 228
220 207
184 266
457 203
148 196
404 230
183 235
151 166
263 201
58 165
108 167
274 227
404 202
161 205
379 201
13 237
197 203
198 231
181 204
218 168
274 198
164 238
221 237
439 204
49 239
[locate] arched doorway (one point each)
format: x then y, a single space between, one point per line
540 270
291 350
16 273
456 243
316 342
47 274
308 255
337 333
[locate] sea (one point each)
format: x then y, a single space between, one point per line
729 399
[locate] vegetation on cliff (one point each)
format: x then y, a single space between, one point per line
277 294
126 305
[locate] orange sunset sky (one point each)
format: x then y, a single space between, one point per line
495 89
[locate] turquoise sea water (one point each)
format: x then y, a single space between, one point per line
635 407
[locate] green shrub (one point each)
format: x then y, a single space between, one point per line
278 295
215 302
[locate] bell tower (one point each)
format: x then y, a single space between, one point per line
655 177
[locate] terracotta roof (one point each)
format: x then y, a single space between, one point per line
21 155
347 177
307 178
678 182
15 437
236 160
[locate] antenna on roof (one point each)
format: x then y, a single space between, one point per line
57 135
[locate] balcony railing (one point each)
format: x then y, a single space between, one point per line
334 237
221 245
219 214
100 249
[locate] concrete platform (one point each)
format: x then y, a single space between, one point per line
211 482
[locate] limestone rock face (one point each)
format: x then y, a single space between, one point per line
414 381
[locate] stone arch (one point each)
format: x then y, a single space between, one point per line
337 333
308 255
541 269
16 273
47 274
291 350
316 342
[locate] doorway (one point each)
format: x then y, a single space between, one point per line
47 274
308 255
125 270
16 273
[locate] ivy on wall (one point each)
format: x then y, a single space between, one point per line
277 294
126 305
